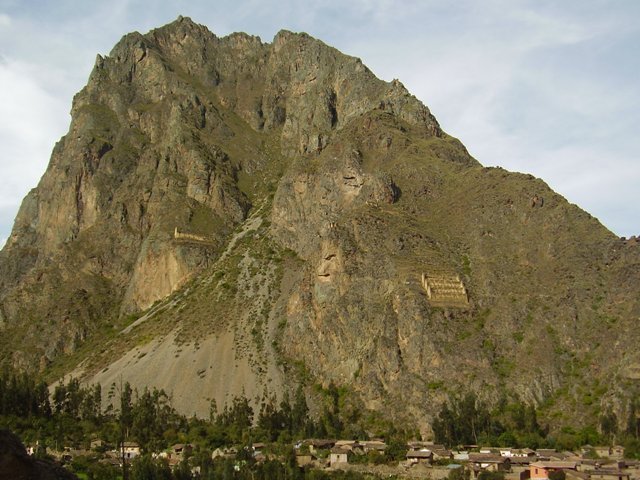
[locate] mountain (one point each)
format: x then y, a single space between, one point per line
229 216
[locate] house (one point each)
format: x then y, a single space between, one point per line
131 450
461 456
588 464
434 446
440 452
517 452
576 475
224 453
304 459
629 465
615 465
602 451
373 445
345 444
489 450
513 452
420 456
319 444
551 454
505 452
545 452
489 462
338 456
177 453
541 470
415 445
352 446
525 452
182 449
97 443
609 474
617 452
521 464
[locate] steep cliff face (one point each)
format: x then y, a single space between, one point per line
217 197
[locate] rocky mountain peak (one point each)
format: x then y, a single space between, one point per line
216 197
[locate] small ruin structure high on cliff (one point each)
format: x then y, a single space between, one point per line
190 237
445 290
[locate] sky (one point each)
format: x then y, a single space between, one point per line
550 88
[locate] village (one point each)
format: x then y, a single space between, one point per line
421 460
283 440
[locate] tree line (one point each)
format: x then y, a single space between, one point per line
467 420
75 414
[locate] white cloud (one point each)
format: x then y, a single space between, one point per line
533 93
30 123
5 20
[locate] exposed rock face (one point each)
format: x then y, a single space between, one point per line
250 193
17 465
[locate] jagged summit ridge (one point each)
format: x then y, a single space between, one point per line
216 197
276 81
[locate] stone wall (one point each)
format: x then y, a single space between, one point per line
191 237
445 290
